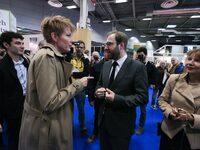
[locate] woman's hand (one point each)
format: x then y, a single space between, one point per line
182 115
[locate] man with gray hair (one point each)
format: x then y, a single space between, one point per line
176 68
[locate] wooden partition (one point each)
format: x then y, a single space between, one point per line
84 35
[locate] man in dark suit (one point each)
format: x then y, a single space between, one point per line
121 88
13 77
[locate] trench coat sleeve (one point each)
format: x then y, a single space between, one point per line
165 97
196 124
50 96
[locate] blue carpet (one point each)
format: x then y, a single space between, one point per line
148 140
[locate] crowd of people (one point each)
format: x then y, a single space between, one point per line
37 94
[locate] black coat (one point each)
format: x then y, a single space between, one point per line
131 89
11 92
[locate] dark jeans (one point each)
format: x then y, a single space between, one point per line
142 115
178 142
96 112
154 95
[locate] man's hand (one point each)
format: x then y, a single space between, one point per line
85 80
100 93
110 95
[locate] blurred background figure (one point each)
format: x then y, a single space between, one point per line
95 71
80 69
176 66
86 53
162 77
95 58
152 75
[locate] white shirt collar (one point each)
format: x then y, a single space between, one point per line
21 60
121 60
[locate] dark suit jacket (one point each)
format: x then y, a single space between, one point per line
152 73
95 71
131 89
11 92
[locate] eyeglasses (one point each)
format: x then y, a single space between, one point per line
109 43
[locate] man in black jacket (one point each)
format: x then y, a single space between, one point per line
152 74
13 77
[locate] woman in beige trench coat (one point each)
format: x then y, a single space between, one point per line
47 116
180 103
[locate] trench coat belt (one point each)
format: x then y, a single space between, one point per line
44 128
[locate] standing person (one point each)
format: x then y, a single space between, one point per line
80 69
180 103
152 74
48 111
162 76
121 88
13 78
95 72
177 67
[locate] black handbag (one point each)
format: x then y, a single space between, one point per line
159 130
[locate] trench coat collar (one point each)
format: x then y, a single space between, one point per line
54 49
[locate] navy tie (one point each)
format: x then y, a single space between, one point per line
112 76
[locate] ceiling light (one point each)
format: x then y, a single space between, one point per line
178 40
146 19
169 3
197 28
142 36
171 26
55 3
120 1
71 7
153 40
195 16
161 29
128 29
171 36
106 21
158 34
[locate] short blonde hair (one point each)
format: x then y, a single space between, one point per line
55 24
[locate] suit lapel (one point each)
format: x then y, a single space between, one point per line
10 66
184 90
106 73
121 72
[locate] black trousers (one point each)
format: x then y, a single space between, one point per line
96 114
108 142
13 128
178 142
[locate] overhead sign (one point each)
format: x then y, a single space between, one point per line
7 21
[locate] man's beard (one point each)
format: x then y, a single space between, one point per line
115 54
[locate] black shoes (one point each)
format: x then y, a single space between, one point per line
84 131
